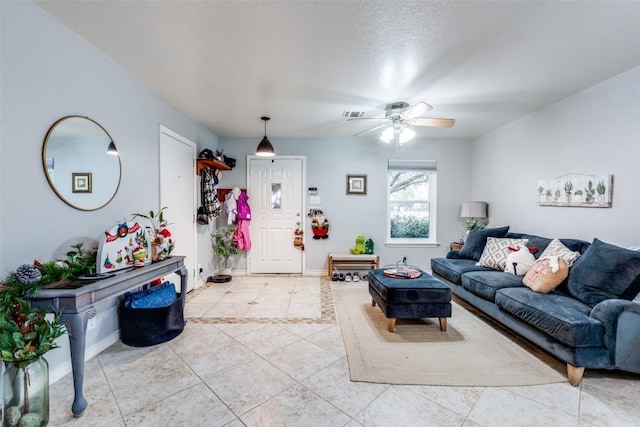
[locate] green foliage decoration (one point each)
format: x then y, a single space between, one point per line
25 332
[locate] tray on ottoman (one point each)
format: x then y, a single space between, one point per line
417 298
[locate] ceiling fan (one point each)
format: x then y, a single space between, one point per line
399 116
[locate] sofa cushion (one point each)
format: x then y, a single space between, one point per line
485 284
603 272
557 248
477 239
453 269
495 252
542 277
575 245
540 243
564 318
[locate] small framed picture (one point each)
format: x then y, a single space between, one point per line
81 182
357 185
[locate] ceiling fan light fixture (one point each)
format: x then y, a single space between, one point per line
406 135
388 135
265 148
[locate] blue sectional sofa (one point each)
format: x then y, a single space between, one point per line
588 321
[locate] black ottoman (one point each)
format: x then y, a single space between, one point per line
417 298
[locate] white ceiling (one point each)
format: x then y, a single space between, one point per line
226 63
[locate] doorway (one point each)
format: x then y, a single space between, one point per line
178 194
277 209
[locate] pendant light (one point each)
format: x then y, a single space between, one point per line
265 149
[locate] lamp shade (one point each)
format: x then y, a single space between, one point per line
473 210
265 149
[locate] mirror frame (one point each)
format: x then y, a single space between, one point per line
52 184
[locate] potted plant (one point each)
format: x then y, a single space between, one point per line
26 335
224 247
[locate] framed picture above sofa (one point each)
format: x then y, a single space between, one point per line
590 191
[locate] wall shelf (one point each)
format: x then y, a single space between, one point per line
211 163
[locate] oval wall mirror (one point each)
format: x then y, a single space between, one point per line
81 163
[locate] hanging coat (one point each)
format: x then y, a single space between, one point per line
241 236
230 208
209 194
244 210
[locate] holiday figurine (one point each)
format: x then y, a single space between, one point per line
368 247
297 239
359 248
319 224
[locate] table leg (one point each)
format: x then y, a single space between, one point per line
183 285
76 324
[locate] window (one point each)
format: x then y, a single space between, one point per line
411 202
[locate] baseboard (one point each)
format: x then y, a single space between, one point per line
90 352
316 272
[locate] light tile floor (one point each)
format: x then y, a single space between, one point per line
267 351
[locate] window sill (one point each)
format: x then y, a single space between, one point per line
411 245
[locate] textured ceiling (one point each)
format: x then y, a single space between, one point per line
226 63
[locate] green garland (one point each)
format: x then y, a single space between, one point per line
25 333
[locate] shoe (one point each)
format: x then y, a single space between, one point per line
335 277
341 277
347 277
356 277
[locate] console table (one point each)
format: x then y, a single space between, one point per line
77 302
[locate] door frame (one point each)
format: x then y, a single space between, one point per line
193 275
303 198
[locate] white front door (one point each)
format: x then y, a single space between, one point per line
178 194
274 187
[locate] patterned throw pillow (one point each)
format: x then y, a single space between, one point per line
556 248
477 239
496 251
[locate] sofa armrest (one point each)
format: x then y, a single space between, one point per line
621 322
454 255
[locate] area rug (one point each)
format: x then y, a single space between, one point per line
469 353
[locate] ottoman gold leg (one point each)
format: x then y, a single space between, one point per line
391 324
443 324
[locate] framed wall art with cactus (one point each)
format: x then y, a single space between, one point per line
589 191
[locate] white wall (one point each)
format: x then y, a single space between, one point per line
594 132
47 72
328 163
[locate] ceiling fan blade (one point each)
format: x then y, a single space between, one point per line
372 129
417 109
434 122
366 118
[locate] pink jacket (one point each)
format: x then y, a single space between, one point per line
241 236
244 210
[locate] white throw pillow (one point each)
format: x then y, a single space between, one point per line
519 262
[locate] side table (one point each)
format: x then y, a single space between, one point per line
77 302
455 246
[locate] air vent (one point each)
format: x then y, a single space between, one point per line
352 114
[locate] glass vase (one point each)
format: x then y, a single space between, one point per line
25 399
